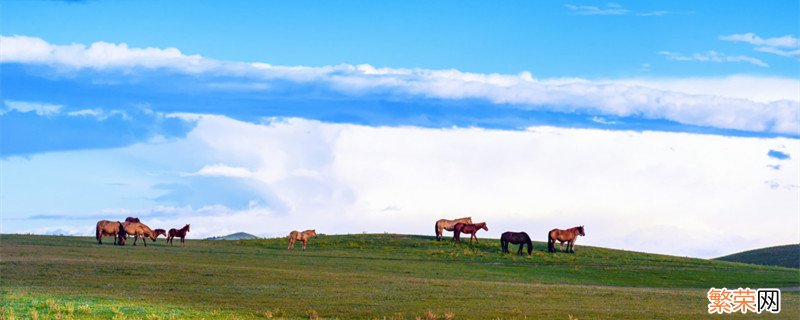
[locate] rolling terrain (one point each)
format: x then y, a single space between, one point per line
784 256
364 276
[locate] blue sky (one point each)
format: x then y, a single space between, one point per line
546 38
667 116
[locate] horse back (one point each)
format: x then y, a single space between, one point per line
108 228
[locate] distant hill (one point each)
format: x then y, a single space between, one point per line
784 256
235 236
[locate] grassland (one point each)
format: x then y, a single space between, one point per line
381 276
784 256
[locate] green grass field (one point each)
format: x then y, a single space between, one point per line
381 276
784 256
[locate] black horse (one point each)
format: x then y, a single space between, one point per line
520 238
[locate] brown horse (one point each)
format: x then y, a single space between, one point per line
444 224
180 233
160 232
138 229
472 229
110 228
569 236
302 236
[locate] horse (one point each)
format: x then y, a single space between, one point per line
472 229
110 228
180 233
138 229
520 238
444 224
132 219
302 236
569 236
159 232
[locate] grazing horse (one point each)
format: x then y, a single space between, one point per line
138 229
520 238
562 236
302 236
472 229
180 233
159 232
444 224
110 228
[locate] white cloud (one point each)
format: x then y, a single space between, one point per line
769 45
787 41
748 110
783 53
99 55
221 170
42 109
95 113
712 56
763 90
609 9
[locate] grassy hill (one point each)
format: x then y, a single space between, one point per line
235 236
371 276
784 256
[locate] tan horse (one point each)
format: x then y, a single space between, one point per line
106 228
569 236
138 229
302 236
444 224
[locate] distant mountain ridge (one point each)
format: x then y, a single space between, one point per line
235 236
783 256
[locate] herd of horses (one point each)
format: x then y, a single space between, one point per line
134 227
465 225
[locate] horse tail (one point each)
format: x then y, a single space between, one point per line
97 232
551 242
436 229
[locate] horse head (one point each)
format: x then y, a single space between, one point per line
313 233
483 226
121 233
580 231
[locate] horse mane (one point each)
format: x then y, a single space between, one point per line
132 219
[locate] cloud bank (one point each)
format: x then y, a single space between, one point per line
648 191
777 114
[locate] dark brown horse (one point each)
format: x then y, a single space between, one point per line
106 228
569 236
520 238
472 229
159 232
180 233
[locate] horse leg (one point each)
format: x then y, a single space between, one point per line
289 246
304 244
519 252
572 246
144 240
474 235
